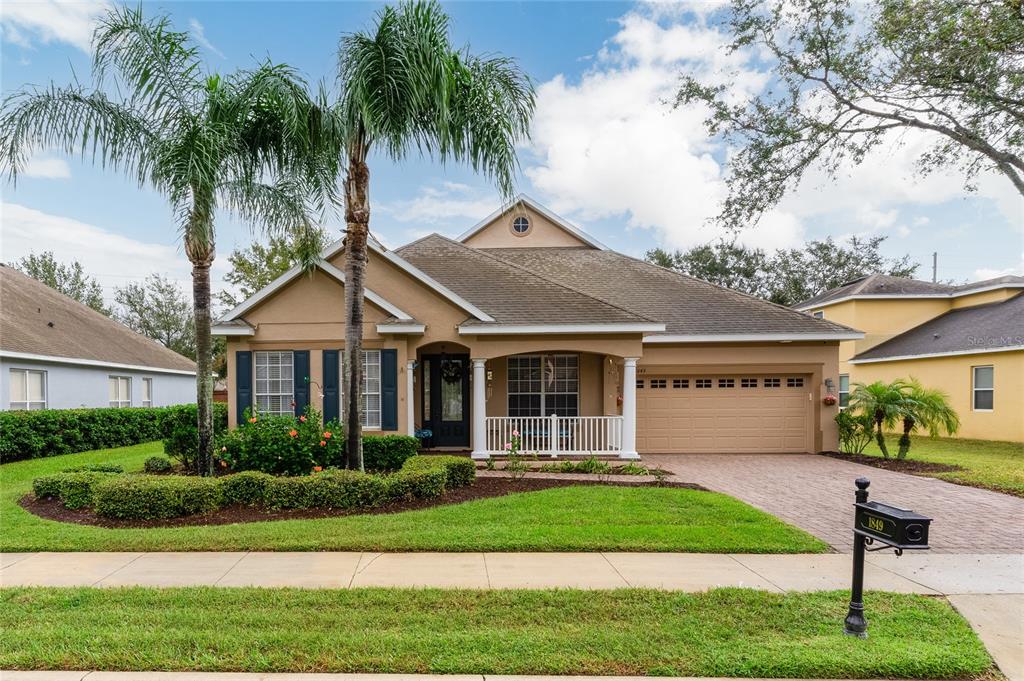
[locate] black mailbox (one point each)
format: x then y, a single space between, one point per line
891 525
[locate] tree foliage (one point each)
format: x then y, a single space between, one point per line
69 279
158 309
786 276
848 77
255 267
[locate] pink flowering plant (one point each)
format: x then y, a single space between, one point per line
829 400
281 445
514 463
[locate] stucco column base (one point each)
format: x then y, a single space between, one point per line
629 455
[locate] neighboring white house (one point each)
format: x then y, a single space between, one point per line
56 353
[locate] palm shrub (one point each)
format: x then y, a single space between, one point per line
203 141
885 402
405 87
926 408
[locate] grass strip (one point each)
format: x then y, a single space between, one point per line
724 632
586 518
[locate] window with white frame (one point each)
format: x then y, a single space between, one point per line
844 391
28 389
120 391
541 385
275 383
983 388
371 388
147 392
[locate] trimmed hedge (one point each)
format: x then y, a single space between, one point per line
51 432
386 453
157 464
149 497
330 489
460 469
425 483
96 467
74 489
247 487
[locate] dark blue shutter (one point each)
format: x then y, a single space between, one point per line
243 383
331 379
389 389
300 379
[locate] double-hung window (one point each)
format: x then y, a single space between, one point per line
542 385
28 389
147 392
120 390
983 388
844 390
371 388
275 384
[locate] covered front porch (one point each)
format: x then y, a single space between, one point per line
557 403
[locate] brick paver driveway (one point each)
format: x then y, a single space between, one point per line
816 492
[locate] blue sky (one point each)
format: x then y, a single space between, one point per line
606 151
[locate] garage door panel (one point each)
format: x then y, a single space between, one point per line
723 419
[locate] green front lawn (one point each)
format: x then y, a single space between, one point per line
987 463
585 518
725 632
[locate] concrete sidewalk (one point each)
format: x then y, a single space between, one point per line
912 573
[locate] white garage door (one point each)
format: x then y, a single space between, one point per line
724 413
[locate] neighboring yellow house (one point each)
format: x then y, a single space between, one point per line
965 340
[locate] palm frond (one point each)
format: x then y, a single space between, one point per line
77 122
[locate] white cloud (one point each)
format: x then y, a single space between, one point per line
988 273
198 34
451 205
47 168
47 21
114 260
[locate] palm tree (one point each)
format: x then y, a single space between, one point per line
404 87
926 408
201 140
886 402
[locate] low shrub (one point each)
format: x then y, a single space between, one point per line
329 489
386 453
96 468
425 483
632 468
157 464
179 428
148 497
282 445
51 432
247 487
461 471
856 431
74 489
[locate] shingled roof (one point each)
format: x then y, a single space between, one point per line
583 285
996 326
36 320
884 285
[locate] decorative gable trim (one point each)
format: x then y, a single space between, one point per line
553 217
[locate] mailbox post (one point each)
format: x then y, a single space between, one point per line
892 527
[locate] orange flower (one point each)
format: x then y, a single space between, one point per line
317 469
223 464
322 443
293 432
252 420
327 435
302 418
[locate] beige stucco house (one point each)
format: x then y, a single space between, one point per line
967 340
527 323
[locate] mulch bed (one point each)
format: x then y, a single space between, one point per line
483 488
911 466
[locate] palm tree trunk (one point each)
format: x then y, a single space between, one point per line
880 436
357 217
908 425
204 364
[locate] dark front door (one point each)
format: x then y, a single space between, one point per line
445 398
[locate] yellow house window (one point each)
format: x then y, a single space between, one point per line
844 390
983 388
818 314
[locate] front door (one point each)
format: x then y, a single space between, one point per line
444 381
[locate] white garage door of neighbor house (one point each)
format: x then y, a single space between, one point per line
724 414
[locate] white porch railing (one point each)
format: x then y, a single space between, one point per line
556 435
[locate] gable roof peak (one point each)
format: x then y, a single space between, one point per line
528 201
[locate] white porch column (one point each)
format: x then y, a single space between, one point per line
479 409
410 397
628 450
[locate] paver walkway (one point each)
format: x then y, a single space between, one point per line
916 573
816 493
